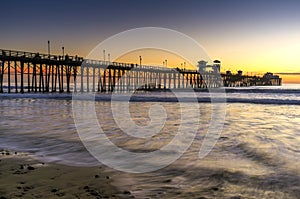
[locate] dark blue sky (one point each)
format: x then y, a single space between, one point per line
220 26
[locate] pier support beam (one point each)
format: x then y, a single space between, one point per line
16 77
22 77
8 76
2 76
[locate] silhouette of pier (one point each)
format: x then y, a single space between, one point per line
22 72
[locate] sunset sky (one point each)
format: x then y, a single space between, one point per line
255 36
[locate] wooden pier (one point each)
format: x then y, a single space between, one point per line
22 72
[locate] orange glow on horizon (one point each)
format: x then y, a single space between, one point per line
156 57
290 79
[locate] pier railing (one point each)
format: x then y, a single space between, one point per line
29 55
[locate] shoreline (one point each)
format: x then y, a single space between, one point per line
24 177
125 97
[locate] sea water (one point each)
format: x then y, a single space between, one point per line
257 154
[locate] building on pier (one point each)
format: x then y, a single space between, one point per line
271 79
214 68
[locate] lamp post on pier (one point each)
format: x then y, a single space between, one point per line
140 60
49 48
104 56
63 51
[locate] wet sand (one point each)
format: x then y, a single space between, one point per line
23 177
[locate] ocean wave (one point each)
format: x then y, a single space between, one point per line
263 90
156 98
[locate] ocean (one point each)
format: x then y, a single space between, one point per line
257 154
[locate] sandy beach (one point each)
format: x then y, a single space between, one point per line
23 177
